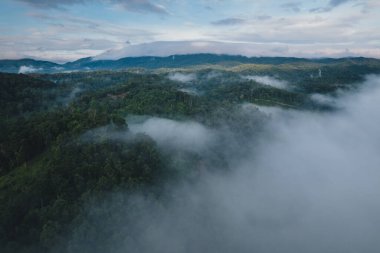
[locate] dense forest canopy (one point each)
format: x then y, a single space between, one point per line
68 139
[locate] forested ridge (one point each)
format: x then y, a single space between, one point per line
65 138
175 61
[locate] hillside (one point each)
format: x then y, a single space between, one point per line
175 61
69 139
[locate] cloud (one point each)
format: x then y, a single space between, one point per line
28 69
330 6
310 184
142 6
323 99
334 3
263 17
229 21
182 77
268 80
74 38
130 5
51 3
189 136
293 6
291 34
191 92
264 47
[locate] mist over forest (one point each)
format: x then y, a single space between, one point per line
155 126
248 158
308 182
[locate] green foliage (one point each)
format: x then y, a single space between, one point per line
21 94
40 200
53 159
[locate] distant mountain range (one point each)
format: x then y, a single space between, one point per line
153 62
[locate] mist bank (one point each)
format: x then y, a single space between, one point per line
309 184
268 80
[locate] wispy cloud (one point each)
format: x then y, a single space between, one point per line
229 21
67 30
142 6
166 48
287 190
292 6
51 3
130 5
263 17
65 37
330 6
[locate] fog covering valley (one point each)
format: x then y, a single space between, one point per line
210 126
309 182
206 158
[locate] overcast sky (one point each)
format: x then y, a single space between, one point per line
64 30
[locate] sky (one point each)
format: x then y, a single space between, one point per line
66 30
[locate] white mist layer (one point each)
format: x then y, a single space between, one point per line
182 77
312 185
268 80
322 99
190 136
28 69
191 92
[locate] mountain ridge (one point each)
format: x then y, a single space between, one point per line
28 65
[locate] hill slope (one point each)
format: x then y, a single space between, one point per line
175 61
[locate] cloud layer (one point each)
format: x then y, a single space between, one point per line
131 5
68 30
229 21
311 185
182 77
268 80
167 48
27 69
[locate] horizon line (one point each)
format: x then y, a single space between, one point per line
189 54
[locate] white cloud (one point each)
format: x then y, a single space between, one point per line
28 69
167 48
182 77
268 80
261 28
130 5
323 99
310 185
187 135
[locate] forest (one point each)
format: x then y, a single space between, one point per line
70 139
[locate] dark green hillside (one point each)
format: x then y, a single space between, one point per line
66 139
20 94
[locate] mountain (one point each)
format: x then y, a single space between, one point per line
28 65
173 61
76 148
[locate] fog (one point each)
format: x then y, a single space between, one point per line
311 184
182 77
28 69
171 134
71 96
213 74
268 80
191 91
322 99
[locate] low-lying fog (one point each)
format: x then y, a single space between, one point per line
182 77
268 80
311 184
